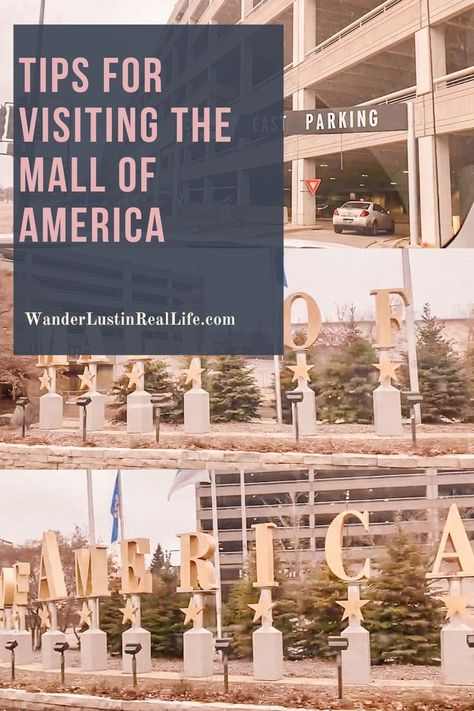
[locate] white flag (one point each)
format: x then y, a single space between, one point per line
185 477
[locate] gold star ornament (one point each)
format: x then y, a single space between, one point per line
85 615
387 370
134 377
45 617
455 604
262 609
45 381
192 373
352 607
129 612
191 612
87 379
301 370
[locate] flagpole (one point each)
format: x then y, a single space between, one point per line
276 370
90 509
92 537
217 562
121 516
243 512
411 331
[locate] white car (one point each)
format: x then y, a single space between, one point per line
368 218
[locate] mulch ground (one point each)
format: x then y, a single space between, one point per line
259 437
264 694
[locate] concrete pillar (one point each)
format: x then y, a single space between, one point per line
312 517
435 172
307 407
134 635
243 188
303 205
356 658
432 509
198 645
304 29
245 7
457 659
50 411
435 190
267 646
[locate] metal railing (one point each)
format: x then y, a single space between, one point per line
348 29
393 98
454 78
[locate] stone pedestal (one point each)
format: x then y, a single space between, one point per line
49 658
387 411
94 650
306 411
50 411
133 636
196 411
267 644
457 659
95 412
139 413
198 653
356 658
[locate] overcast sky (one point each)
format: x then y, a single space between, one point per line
87 12
346 276
35 501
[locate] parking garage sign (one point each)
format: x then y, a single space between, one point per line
354 119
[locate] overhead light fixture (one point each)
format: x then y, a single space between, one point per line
362 185
406 172
393 183
332 178
365 175
323 165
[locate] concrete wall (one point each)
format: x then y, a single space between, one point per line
40 456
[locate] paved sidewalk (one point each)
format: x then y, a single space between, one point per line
36 670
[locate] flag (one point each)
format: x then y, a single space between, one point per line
115 509
185 477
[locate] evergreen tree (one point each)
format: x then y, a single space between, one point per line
158 561
157 380
318 613
111 621
403 617
234 394
346 384
161 613
468 366
443 383
238 617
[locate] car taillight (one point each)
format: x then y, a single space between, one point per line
336 212
364 213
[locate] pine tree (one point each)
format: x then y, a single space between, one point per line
234 394
157 380
238 615
443 383
346 384
318 613
161 613
111 621
468 366
403 617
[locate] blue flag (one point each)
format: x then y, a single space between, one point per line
115 510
